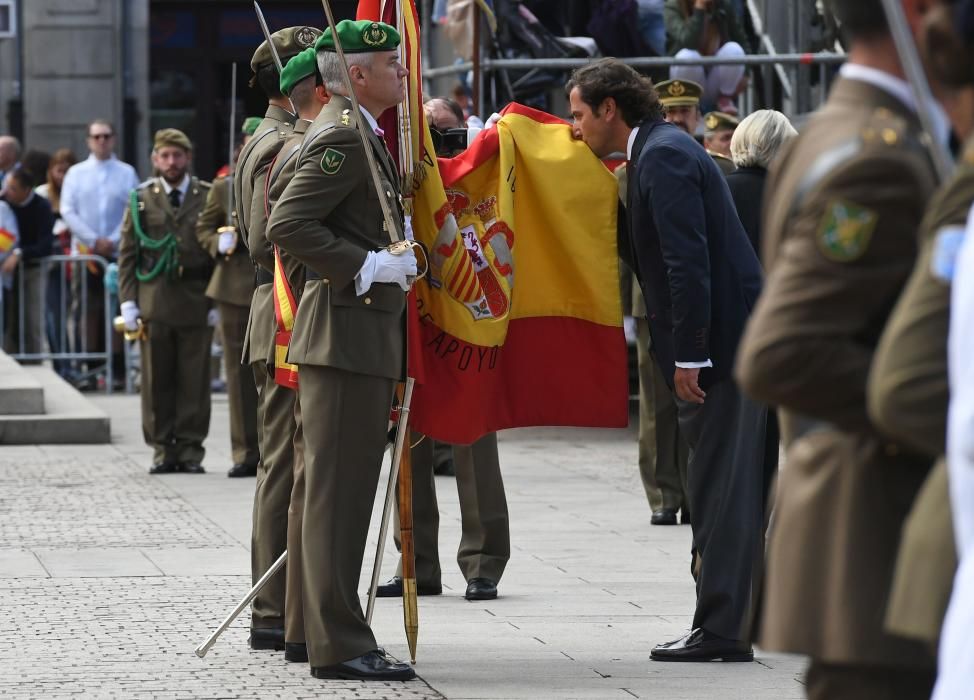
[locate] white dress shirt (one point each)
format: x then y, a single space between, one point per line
182 187
94 197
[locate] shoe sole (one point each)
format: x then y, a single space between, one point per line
295 657
481 597
736 657
261 645
340 676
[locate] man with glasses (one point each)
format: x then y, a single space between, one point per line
93 200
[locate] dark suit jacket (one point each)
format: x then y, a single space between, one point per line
699 275
747 188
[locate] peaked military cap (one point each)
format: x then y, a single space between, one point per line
289 42
720 121
171 137
679 93
249 126
360 36
297 69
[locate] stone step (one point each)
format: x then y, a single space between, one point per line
20 393
67 417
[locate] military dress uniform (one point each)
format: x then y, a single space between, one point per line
231 289
163 269
840 241
714 122
350 351
908 399
275 478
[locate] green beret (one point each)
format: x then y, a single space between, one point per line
360 36
171 137
720 121
250 125
679 93
289 42
297 69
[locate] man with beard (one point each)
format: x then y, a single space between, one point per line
163 273
680 100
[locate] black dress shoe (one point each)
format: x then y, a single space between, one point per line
685 517
446 468
267 638
163 468
296 652
701 645
664 516
481 589
191 468
242 470
372 666
393 588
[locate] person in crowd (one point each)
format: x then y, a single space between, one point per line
700 279
348 338
58 290
35 222
36 162
718 131
840 238
162 276
94 197
485 543
680 101
9 158
652 25
753 147
708 28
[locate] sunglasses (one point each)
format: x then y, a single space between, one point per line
100 137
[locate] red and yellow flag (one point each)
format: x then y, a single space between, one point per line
285 309
8 239
519 322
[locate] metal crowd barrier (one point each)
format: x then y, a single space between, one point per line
52 320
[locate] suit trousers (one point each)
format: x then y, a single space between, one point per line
826 681
485 542
272 495
32 304
241 387
663 452
726 435
176 390
342 461
294 573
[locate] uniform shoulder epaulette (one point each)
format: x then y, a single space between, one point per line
886 128
145 183
205 184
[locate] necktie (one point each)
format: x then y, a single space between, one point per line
174 196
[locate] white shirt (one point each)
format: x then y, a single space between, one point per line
956 673
681 365
182 187
94 197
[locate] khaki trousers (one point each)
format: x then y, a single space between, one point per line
485 542
825 681
293 598
176 391
342 461
272 495
663 452
241 387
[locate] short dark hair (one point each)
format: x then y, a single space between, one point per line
303 93
101 122
269 81
23 177
450 105
609 77
860 19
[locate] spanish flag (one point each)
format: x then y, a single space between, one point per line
285 309
8 239
519 321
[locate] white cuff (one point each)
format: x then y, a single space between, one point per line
366 275
127 305
694 365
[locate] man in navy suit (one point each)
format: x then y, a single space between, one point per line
700 278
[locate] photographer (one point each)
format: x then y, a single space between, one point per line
708 28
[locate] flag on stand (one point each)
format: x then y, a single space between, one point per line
519 322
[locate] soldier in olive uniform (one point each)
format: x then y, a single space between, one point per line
840 240
680 100
908 388
718 130
298 82
231 288
348 338
162 276
275 476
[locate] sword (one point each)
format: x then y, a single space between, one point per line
229 227
274 54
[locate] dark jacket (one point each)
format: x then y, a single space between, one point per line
747 188
687 31
36 223
699 275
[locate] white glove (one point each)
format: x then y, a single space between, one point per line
491 121
386 267
212 317
227 242
130 312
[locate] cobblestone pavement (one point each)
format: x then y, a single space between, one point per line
109 579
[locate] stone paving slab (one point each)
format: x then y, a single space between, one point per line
110 577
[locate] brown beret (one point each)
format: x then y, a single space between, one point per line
289 42
171 137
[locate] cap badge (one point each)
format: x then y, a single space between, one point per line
677 88
374 35
305 36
